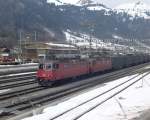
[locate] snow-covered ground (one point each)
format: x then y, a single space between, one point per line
138 9
72 2
127 105
60 45
97 8
3 91
82 40
55 2
134 8
117 44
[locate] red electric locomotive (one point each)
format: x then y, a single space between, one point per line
52 71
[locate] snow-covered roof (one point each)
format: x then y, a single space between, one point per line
60 45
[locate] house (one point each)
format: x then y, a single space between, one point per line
47 50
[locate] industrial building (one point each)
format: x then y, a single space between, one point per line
47 50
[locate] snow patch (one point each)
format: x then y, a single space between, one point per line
62 2
138 9
3 91
83 40
97 8
60 45
56 2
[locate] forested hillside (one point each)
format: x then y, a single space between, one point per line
26 17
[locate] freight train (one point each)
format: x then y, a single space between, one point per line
50 72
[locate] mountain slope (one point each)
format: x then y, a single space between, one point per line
26 17
73 2
138 9
63 2
56 2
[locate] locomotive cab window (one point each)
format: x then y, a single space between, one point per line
55 66
41 66
48 66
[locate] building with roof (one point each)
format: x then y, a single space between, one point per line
48 50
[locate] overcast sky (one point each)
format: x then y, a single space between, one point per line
114 3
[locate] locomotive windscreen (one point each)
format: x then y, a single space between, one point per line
55 66
41 66
48 66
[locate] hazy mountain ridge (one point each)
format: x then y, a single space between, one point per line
49 21
134 9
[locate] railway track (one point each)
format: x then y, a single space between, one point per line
17 84
82 109
16 81
26 99
17 76
18 93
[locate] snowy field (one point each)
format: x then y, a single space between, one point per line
127 105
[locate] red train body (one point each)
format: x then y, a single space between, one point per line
54 71
50 72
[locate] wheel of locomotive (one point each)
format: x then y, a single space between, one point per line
44 83
40 82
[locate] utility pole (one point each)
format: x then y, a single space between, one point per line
35 35
20 48
90 45
90 41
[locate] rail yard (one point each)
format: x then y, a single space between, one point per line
74 60
20 93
